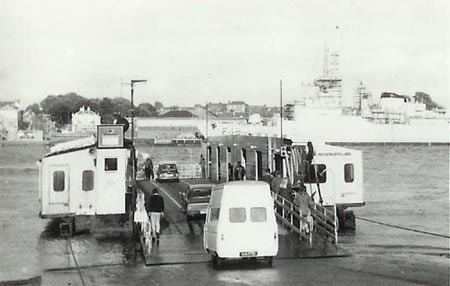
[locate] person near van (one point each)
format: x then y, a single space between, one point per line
239 172
267 176
148 169
154 205
305 203
203 165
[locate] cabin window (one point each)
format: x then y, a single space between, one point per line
349 173
237 215
317 174
110 164
58 181
214 214
258 214
88 180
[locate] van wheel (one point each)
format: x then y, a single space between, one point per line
269 260
217 261
220 262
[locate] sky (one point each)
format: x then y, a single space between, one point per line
198 51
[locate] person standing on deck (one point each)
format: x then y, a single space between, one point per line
305 203
267 176
154 205
276 182
239 172
148 169
203 165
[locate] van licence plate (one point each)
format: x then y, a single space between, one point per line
248 254
203 212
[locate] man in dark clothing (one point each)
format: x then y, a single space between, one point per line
154 205
267 176
148 169
239 172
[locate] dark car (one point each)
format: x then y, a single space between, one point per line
196 199
167 172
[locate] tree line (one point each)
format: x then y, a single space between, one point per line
60 107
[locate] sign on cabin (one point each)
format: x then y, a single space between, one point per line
110 136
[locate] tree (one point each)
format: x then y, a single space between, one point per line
61 107
426 98
34 108
146 110
158 105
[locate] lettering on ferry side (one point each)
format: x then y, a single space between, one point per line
335 154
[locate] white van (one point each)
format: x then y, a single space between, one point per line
240 222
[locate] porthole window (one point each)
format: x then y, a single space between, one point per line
110 164
88 180
349 173
58 181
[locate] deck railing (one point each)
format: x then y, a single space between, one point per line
322 220
143 223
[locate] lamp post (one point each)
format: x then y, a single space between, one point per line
133 161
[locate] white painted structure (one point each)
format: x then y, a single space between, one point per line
9 120
79 178
85 120
340 172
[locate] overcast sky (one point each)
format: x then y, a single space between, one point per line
198 51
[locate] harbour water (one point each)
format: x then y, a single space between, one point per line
404 185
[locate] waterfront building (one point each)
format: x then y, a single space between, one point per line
9 120
85 121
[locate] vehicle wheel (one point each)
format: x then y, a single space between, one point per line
269 261
349 221
220 262
214 259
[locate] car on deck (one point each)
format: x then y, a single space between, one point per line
195 199
167 172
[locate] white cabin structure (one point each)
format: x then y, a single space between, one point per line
85 176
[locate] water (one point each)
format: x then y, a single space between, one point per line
407 186
404 185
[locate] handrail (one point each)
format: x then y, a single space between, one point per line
290 215
142 220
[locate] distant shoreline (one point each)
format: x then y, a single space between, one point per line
389 143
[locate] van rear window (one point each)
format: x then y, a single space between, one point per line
237 215
258 214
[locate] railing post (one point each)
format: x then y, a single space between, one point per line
335 225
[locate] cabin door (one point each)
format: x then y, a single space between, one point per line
59 186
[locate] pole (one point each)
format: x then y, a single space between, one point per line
281 111
132 130
206 108
133 162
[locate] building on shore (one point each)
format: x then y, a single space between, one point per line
85 121
9 120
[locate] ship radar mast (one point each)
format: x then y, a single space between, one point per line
329 83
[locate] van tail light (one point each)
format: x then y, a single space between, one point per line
222 237
274 235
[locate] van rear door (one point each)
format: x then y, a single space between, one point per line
249 232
